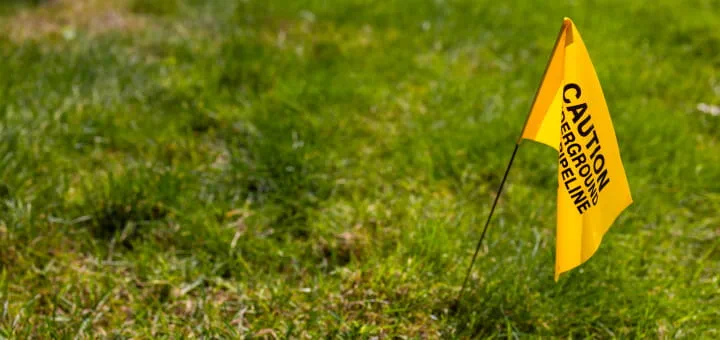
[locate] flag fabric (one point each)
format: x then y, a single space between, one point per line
569 114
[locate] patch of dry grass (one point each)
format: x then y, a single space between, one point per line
65 18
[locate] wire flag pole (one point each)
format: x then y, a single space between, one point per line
487 223
507 170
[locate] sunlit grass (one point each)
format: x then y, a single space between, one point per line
323 168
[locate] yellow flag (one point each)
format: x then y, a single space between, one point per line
569 113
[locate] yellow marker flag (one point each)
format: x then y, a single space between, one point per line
569 113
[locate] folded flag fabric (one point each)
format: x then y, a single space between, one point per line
569 114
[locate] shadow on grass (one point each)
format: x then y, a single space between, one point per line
126 203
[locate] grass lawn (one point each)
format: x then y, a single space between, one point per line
321 168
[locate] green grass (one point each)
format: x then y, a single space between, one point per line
315 168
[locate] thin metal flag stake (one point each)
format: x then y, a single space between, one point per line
507 170
487 223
